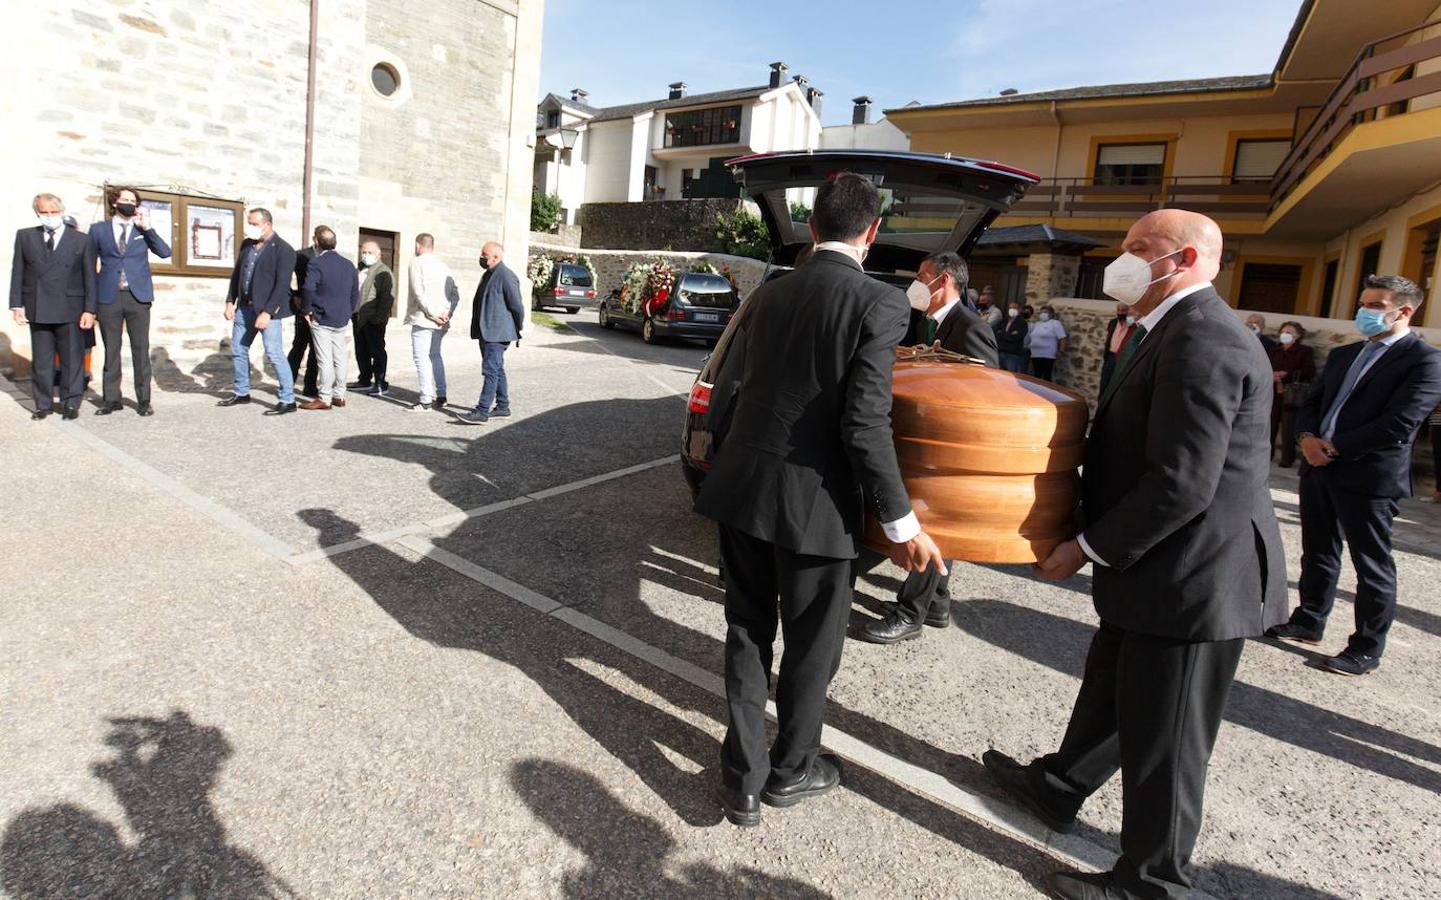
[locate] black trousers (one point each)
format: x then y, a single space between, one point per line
370 356
1151 708
810 598
301 349
925 595
134 317
1108 368
1328 515
1283 426
46 340
1043 368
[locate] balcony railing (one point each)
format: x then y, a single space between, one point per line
1215 195
1379 84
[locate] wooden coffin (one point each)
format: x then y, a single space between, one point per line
990 458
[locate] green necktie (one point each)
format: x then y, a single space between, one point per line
931 327
1125 357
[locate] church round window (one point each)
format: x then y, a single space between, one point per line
385 79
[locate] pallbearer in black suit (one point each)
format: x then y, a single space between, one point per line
124 291
1356 433
1178 521
809 437
937 294
52 289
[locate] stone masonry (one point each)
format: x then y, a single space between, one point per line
1051 275
688 225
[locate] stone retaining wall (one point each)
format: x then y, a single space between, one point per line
685 225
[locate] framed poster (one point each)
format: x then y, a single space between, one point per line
210 236
160 217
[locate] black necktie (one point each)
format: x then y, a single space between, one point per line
124 237
50 240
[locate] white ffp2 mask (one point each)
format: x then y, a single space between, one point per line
1128 276
919 296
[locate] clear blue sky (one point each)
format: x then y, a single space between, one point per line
627 51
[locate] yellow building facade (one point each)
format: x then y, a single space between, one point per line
1321 172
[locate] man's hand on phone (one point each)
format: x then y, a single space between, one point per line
919 554
140 221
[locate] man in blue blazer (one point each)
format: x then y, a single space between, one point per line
258 302
329 296
1356 432
123 244
496 319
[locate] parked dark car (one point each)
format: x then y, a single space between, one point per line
930 203
570 287
700 307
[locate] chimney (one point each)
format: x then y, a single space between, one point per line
778 73
578 95
813 97
801 82
1009 92
861 112
677 90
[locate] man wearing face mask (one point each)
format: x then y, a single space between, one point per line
125 292
808 447
302 346
1118 331
257 302
1187 561
377 299
1256 323
52 289
1357 430
497 316
1011 339
924 597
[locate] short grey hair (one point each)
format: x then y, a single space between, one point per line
1404 291
952 264
35 204
263 213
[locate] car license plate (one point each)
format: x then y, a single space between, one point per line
707 317
576 293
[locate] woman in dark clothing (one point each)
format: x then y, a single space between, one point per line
1293 366
1011 340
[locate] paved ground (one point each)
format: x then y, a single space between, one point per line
376 653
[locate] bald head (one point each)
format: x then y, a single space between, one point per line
1184 248
490 254
370 247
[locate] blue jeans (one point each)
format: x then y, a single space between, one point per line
493 392
1013 362
273 339
429 366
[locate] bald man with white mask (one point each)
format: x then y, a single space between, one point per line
1187 561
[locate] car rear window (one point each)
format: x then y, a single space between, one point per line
574 276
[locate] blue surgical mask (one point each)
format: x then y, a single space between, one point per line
1371 322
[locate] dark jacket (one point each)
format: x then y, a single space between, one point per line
1377 427
1011 334
1174 490
303 256
963 331
331 291
377 296
1111 326
270 285
497 312
810 431
52 287
1298 361
134 259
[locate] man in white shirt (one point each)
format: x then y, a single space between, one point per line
429 317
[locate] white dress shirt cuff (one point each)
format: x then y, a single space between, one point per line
1090 554
902 530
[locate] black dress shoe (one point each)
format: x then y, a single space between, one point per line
440 402
235 400
824 774
938 618
1292 633
499 413
39 414
145 409
282 409
108 408
70 413
740 809
1015 778
894 628
1084 886
1349 662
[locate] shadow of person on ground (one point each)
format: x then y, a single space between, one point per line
162 775
627 852
1061 643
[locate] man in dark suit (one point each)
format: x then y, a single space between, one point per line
809 434
302 349
937 293
258 302
1118 332
1188 563
1356 433
124 244
496 318
52 289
